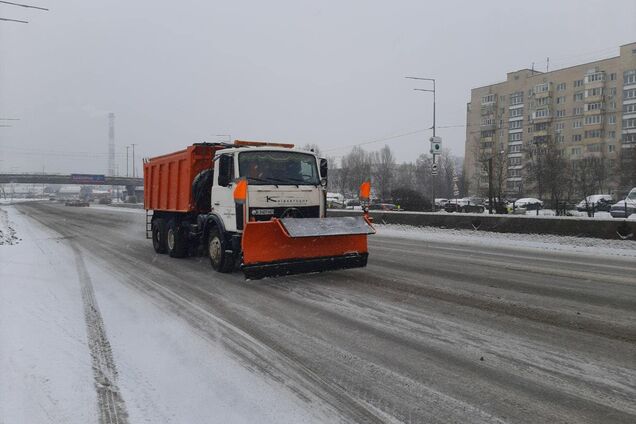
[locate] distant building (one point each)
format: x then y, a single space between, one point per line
586 111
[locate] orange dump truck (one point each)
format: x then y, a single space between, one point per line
260 207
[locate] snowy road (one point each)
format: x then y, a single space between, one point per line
429 332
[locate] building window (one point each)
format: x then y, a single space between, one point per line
613 76
560 113
542 88
592 92
578 83
629 138
516 98
515 125
559 126
488 99
560 138
612 105
611 119
541 113
515 113
487 133
515 136
578 96
629 123
612 91
514 148
593 106
560 86
514 161
629 94
577 124
593 134
577 111
487 121
629 108
611 148
629 77
576 137
576 151
560 100
544 101
593 120
611 135
596 147
597 76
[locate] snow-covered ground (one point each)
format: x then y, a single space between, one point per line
566 244
54 297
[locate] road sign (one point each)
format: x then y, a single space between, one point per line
434 169
436 145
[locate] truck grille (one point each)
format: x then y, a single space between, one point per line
303 212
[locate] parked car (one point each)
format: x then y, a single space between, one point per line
625 208
353 204
440 203
465 204
499 207
528 203
597 202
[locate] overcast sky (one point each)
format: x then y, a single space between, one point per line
324 72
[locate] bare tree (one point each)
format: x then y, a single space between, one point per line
356 168
312 148
383 167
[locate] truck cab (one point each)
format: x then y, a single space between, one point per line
282 183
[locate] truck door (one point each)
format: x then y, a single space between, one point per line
222 191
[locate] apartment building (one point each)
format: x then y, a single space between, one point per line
587 110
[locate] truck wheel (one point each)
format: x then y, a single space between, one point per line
176 240
220 259
159 235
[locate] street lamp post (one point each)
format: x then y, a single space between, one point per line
133 159
430 91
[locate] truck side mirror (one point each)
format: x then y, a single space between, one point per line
226 170
323 168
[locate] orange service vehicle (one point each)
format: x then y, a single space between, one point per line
260 207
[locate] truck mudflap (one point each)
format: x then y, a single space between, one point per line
300 245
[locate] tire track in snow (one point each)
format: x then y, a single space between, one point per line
110 403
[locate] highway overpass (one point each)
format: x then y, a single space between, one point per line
82 179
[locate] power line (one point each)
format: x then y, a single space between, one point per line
14 20
392 137
23 5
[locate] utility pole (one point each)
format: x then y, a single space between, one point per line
127 147
111 144
433 173
133 159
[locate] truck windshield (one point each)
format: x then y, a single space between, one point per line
277 167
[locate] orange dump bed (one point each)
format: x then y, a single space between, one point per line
168 178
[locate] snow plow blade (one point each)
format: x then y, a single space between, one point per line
300 245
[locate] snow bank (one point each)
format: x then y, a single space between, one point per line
567 244
7 232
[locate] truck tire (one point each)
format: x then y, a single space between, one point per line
176 240
159 235
220 259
